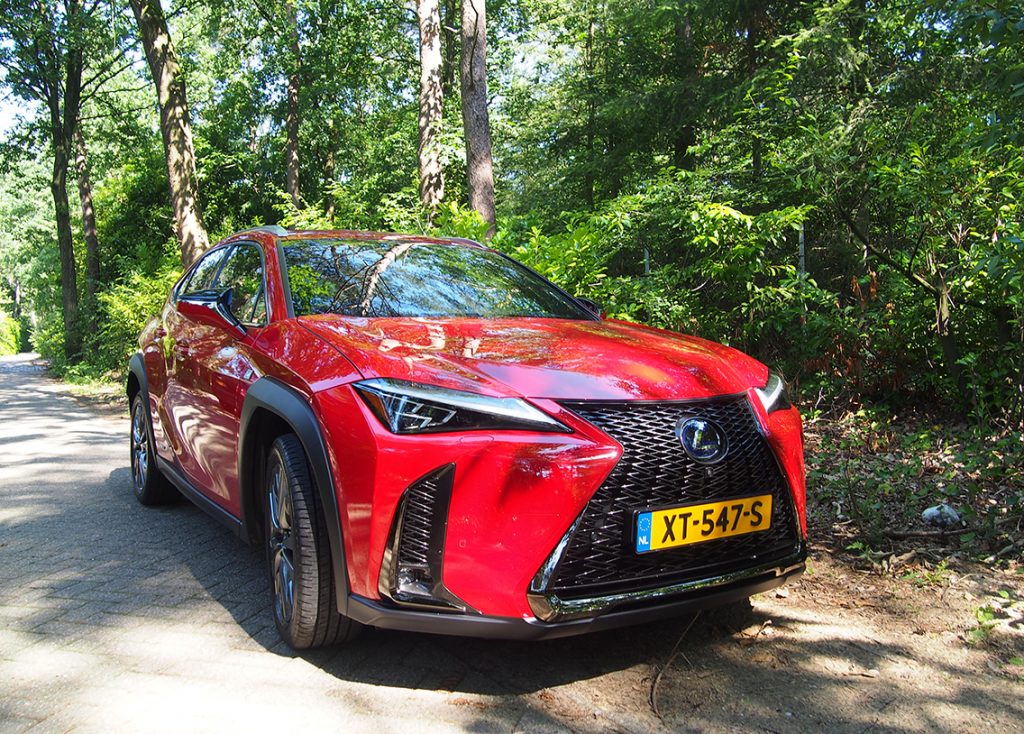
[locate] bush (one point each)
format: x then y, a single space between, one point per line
10 334
126 306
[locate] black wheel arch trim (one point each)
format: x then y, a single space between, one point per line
289 405
137 368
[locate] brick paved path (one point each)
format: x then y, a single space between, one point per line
120 618
116 617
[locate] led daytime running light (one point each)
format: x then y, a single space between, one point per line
409 407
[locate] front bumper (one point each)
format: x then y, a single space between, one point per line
606 613
512 497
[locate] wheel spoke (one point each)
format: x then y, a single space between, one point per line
140 447
274 510
282 544
284 504
283 583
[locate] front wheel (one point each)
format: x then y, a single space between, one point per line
298 554
149 485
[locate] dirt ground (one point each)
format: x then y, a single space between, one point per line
901 646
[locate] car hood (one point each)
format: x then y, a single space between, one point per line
541 358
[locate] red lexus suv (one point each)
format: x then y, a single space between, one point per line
426 435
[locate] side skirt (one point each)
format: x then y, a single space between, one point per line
200 500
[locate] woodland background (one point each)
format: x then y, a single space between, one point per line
833 187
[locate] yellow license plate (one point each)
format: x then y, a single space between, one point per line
671 528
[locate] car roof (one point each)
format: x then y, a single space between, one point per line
293 235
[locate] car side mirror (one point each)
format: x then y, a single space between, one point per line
592 306
212 308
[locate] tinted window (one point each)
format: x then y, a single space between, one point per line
397 278
243 273
203 273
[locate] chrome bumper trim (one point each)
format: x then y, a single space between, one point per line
550 608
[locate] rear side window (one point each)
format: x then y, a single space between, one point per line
243 274
203 273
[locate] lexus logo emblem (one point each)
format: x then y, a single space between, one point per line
702 440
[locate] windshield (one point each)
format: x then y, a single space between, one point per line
403 278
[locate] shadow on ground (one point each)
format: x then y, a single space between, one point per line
168 591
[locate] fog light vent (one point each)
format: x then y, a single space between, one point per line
411 572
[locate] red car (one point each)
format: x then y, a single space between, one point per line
426 435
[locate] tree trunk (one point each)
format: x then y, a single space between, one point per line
479 165
63 110
92 250
687 70
329 166
431 106
948 341
175 127
591 131
753 22
68 271
449 47
292 122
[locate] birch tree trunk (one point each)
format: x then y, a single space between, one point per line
475 121
175 128
431 106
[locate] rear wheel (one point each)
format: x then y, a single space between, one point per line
298 553
149 485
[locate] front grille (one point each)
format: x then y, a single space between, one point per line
655 471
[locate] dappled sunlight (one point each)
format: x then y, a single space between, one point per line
114 616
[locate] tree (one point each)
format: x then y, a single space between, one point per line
294 85
431 105
475 119
175 127
43 49
92 247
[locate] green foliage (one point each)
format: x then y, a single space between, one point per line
127 305
661 159
10 334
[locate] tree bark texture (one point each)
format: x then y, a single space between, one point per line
431 106
329 167
590 65
175 127
475 121
292 121
687 69
449 46
68 274
63 110
92 249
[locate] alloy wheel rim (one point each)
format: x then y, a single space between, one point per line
282 546
140 448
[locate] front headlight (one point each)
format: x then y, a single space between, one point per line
774 395
410 407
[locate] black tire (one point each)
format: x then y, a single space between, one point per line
149 485
302 586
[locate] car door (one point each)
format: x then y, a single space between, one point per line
213 371
173 408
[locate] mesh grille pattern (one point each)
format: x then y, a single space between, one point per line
655 471
421 500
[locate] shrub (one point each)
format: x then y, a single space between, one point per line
126 306
10 334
